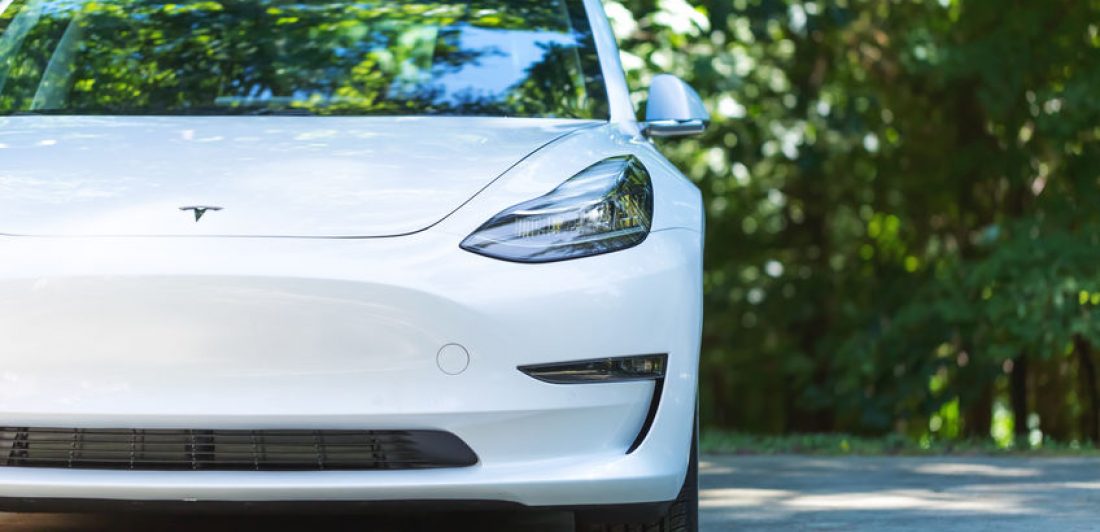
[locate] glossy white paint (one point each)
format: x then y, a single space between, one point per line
233 333
618 92
280 176
670 98
214 332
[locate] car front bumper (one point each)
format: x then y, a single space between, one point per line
222 333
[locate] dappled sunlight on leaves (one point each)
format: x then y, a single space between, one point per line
938 166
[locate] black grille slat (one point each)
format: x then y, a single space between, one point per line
243 434
105 453
238 460
69 441
231 450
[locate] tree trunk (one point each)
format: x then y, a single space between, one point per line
978 413
1090 422
1050 380
813 231
975 385
1018 392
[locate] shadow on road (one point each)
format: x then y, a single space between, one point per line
900 493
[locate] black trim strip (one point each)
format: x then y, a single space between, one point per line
61 505
654 403
641 512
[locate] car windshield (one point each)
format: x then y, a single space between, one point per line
528 58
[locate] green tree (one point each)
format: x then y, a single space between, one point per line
898 194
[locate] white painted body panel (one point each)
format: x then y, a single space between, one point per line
209 332
274 176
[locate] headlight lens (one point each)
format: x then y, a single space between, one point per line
605 208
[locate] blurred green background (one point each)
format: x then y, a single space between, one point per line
903 235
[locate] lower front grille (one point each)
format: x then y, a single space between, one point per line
232 450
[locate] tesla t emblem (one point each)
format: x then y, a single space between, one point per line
200 210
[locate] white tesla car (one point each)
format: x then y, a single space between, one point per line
281 252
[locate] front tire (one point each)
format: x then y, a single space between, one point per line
682 515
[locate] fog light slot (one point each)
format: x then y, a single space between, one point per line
597 370
619 369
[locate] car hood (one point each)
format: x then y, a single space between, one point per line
271 176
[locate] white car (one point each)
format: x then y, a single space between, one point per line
302 252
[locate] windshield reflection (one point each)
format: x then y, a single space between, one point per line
532 58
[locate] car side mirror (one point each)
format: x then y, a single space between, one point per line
674 109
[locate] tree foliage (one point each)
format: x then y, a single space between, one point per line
901 224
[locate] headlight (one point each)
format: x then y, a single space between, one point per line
605 208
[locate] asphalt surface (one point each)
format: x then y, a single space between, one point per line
893 494
757 493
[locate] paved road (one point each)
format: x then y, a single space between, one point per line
763 493
893 494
